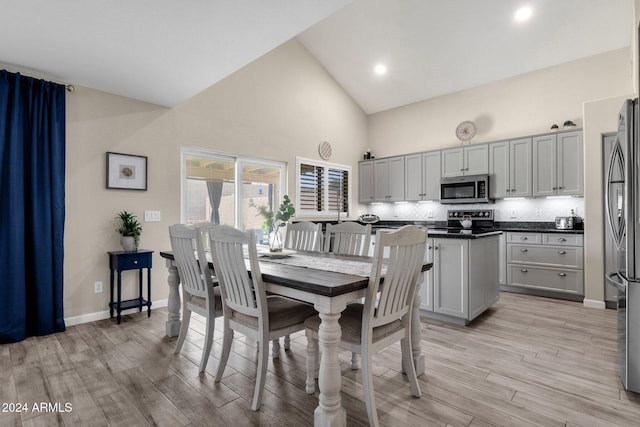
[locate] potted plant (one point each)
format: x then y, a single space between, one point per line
130 229
274 221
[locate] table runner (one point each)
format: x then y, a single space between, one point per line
356 268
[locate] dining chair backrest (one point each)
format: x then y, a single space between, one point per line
347 238
241 291
187 247
402 252
304 236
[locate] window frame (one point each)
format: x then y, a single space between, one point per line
302 213
239 162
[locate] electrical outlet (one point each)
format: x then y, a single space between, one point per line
97 287
573 211
514 213
430 214
538 213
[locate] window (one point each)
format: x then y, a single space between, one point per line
323 189
220 188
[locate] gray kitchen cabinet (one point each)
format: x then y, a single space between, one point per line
469 160
570 164
422 176
365 181
388 179
510 166
558 164
465 277
546 262
426 288
502 259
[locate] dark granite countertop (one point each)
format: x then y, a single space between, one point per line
525 226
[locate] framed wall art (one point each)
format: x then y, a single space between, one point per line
126 171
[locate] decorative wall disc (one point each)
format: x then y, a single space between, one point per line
324 149
466 130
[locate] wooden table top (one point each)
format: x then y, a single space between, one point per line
320 282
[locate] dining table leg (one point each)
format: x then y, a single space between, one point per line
172 327
329 412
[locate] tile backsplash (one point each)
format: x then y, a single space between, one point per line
505 210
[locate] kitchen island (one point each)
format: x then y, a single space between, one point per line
463 282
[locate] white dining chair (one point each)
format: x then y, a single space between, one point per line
198 291
246 307
385 316
304 236
347 238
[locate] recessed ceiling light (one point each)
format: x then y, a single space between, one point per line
523 13
380 69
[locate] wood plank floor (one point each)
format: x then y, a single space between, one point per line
528 361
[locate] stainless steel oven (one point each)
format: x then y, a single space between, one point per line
465 189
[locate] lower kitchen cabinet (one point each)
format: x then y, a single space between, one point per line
546 263
463 282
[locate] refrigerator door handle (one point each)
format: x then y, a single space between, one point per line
618 282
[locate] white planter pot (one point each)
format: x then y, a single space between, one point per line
128 243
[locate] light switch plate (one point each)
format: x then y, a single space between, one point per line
152 216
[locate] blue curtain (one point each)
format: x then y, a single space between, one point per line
32 174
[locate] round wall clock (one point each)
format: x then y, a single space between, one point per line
465 131
324 149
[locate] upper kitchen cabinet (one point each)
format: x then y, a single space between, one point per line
388 179
422 176
558 167
365 181
469 160
510 168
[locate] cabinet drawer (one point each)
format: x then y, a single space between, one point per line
562 239
520 237
550 279
552 256
132 261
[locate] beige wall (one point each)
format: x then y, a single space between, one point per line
282 105
526 104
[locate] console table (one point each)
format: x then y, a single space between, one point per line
120 261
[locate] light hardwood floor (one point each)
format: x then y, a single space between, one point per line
527 361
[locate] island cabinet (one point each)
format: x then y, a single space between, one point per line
365 181
510 168
463 282
388 179
422 176
558 164
468 160
545 263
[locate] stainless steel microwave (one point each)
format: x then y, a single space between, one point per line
465 189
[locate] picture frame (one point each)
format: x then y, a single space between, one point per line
126 171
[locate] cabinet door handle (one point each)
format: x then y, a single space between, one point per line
513 189
508 190
562 274
562 239
524 270
524 250
554 188
436 247
560 188
466 169
429 247
524 238
135 261
562 252
462 170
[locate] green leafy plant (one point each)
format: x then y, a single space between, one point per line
128 225
275 220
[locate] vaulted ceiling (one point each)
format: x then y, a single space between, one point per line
165 52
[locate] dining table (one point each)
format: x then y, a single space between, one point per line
329 282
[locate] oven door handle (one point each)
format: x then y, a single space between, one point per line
618 284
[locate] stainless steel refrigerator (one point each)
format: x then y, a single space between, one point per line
622 204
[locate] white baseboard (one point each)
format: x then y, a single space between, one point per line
592 303
101 315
